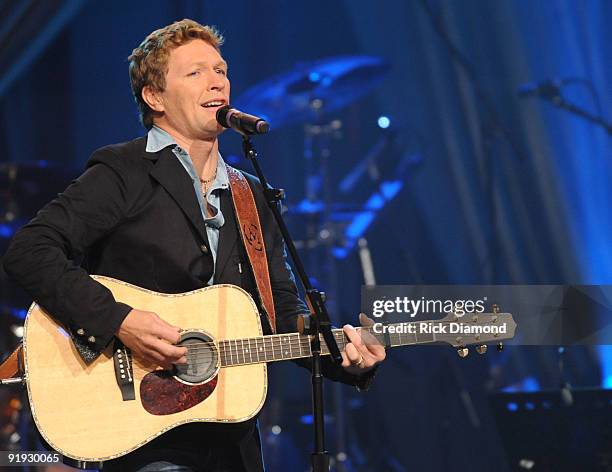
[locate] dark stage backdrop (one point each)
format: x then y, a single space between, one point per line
508 190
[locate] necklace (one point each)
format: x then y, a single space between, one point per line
206 182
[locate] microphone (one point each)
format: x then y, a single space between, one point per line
549 88
242 122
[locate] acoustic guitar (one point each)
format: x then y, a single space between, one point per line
116 404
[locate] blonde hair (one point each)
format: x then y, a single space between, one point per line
149 61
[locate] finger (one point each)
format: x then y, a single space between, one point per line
353 335
367 338
345 360
153 357
365 321
378 353
355 338
167 332
353 354
168 351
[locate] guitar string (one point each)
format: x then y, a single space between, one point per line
208 355
302 337
294 339
303 342
234 353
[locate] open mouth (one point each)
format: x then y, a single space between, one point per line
213 104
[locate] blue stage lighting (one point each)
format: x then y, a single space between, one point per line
605 354
384 122
314 76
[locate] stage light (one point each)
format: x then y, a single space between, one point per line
384 122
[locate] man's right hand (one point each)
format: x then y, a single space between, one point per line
152 339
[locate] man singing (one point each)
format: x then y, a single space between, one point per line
157 212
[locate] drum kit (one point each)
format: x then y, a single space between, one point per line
307 95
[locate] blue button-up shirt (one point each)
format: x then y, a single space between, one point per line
157 139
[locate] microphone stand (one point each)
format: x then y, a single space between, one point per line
321 323
557 100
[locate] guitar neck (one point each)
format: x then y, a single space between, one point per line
279 347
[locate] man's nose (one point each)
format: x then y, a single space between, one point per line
217 82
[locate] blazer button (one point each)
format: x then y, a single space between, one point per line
91 339
204 249
81 332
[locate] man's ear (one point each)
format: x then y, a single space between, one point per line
152 98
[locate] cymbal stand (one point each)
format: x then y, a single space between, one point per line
323 232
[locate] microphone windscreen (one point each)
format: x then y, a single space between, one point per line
222 116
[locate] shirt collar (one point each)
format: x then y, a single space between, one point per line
158 139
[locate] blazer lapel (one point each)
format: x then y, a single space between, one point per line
228 235
171 175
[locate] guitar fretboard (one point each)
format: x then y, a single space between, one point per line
279 347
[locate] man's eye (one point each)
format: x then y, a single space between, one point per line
222 71
194 73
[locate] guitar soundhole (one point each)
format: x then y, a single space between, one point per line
202 358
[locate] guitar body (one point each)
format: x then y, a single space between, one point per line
79 408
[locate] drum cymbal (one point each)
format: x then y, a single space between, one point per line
311 89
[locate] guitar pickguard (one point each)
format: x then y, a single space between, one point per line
162 394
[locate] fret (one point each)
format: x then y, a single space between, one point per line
227 353
222 359
268 347
228 344
301 338
237 350
416 339
288 353
242 353
424 338
324 349
245 350
258 348
228 350
280 347
284 346
250 348
275 350
231 352
273 347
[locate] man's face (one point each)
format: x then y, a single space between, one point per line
196 79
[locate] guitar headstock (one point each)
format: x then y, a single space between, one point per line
477 329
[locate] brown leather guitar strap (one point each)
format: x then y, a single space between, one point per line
252 237
12 366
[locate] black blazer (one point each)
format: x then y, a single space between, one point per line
133 215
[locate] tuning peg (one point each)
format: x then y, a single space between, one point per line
463 352
482 349
495 309
500 347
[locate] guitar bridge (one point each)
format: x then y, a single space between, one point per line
123 371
